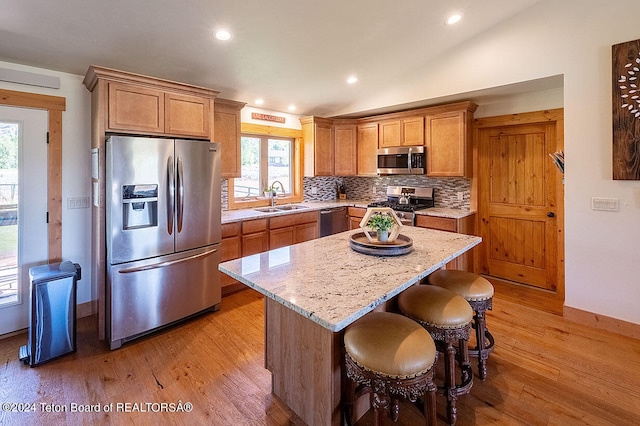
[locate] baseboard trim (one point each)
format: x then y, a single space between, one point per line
87 309
602 322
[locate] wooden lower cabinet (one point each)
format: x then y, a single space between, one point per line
465 225
255 236
292 229
355 216
230 248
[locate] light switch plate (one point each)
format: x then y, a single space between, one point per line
605 204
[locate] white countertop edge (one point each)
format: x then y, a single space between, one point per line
336 327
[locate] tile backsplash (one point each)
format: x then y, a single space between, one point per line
361 188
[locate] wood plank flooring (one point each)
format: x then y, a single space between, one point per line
544 371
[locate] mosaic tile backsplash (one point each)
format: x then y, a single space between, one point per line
361 188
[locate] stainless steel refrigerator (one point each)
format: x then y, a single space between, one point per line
163 233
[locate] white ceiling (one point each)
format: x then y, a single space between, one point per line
286 52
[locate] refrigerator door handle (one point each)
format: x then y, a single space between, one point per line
171 191
180 198
168 263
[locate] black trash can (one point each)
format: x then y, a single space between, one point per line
52 317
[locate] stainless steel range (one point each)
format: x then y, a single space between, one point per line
405 200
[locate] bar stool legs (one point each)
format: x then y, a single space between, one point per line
479 293
447 317
389 356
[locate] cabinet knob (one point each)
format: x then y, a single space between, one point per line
551 214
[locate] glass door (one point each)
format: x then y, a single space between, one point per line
23 207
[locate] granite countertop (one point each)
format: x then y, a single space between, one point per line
333 285
229 216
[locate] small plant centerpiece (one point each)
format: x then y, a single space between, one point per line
384 222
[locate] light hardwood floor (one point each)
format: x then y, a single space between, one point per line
544 371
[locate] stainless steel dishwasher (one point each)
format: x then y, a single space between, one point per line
333 221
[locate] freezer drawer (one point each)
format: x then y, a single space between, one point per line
148 294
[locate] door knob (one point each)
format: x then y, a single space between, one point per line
551 214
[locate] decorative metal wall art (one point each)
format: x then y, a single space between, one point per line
626 110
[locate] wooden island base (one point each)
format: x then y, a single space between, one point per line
306 362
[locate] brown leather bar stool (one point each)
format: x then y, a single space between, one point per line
447 317
389 356
479 293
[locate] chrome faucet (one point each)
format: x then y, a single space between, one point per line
273 191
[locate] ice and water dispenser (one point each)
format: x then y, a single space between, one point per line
139 206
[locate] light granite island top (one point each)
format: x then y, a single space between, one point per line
317 288
331 284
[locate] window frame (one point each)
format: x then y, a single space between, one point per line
297 194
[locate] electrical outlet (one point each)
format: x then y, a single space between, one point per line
460 196
374 190
314 190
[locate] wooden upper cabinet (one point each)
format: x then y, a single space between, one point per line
227 131
345 150
367 149
390 134
408 131
448 144
188 115
412 131
319 152
135 108
137 104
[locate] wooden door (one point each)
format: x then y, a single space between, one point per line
187 115
447 144
413 131
518 205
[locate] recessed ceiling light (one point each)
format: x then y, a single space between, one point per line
223 35
259 101
352 80
454 19
292 108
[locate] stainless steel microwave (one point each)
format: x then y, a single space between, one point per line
402 160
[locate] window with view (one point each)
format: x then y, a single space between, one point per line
265 160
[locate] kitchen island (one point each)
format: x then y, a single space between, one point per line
317 288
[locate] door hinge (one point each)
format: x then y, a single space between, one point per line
47 137
47 221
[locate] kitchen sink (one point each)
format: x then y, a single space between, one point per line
279 208
290 207
267 209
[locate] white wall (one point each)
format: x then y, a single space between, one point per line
572 38
76 167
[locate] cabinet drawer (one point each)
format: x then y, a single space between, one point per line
231 229
293 219
440 223
256 225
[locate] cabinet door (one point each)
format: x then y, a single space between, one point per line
345 150
306 232
390 133
134 108
324 150
255 243
230 248
367 143
187 115
226 131
447 144
281 237
413 131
